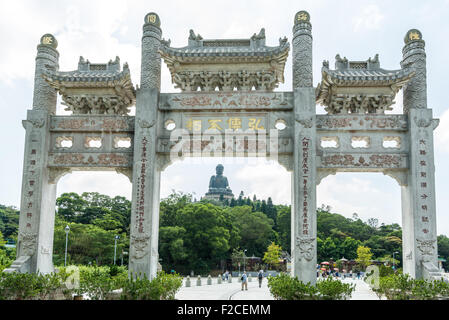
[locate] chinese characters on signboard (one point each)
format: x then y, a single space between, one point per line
140 206
305 181
423 185
221 124
31 185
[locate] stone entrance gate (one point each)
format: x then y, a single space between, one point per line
227 107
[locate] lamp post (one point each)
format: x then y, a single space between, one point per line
67 229
123 253
115 246
393 258
244 260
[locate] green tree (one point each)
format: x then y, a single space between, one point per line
255 229
9 221
364 256
284 226
348 248
171 247
271 210
108 222
2 241
329 249
70 206
272 255
206 239
263 207
86 243
171 205
5 261
238 258
443 249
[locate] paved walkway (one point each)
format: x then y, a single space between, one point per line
233 291
362 290
224 291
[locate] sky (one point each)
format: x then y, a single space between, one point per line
101 30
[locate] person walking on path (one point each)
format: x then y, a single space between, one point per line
260 277
244 281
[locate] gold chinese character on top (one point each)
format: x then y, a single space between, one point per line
254 124
414 36
213 124
235 123
194 125
47 40
151 18
302 16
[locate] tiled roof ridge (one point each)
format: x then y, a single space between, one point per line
96 75
189 51
373 74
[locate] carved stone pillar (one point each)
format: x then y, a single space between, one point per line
144 230
37 207
304 170
414 56
44 97
418 197
302 51
150 76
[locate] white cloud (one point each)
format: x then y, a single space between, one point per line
398 107
441 133
266 179
370 18
76 28
369 195
170 183
109 183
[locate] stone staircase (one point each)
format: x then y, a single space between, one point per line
431 272
21 265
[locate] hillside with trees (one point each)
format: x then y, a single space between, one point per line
200 235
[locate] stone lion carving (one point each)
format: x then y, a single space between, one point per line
140 244
307 123
306 248
423 123
28 243
146 124
426 247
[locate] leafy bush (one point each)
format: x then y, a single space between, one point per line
25 286
99 282
5 262
163 287
331 289
403 287
285 287
96 283
49 284
385 271
18 286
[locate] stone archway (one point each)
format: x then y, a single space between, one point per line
245 72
